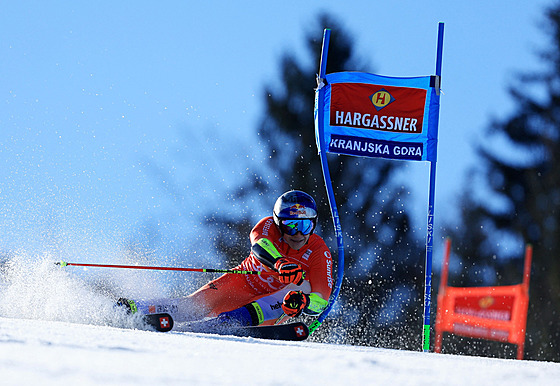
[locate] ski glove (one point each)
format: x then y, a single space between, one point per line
294 303
289 272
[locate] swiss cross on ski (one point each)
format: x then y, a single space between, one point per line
161 322
300 332
164 322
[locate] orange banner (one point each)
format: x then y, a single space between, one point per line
494 313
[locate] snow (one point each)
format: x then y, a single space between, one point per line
58 329
51 352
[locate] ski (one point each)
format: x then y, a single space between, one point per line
295 331
292 331
161 322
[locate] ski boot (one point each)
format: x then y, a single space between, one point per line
226 322
128 304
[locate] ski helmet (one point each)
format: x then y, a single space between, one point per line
295 205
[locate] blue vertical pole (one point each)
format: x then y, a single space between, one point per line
430 230
324 53
319 130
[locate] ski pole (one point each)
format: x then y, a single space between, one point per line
210 270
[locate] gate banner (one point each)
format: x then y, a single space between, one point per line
377 116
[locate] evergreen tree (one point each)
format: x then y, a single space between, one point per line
382 292
522 173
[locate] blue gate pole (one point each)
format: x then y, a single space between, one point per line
430 229
328 183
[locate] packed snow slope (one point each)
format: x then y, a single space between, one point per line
37 352
56 328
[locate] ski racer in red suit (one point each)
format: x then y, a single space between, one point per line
283 243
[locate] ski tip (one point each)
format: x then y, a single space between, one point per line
301 331
296 331
162 322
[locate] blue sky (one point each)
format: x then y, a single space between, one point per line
105 105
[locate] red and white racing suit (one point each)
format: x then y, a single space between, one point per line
232 291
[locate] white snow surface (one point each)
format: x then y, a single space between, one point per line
55 329
48 352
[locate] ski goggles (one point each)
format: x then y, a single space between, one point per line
293 226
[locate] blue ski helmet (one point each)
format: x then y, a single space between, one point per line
295 205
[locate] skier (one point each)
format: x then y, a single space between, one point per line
284 243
